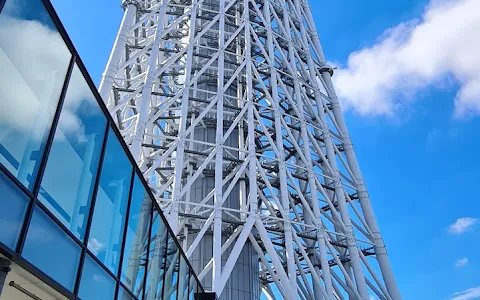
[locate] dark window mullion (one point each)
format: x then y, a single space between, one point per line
178 272
100 263
92 207
188 282
126 290
59 224
15 181
2 4
125 227
164 264
44 278
156 206
145 275
46 152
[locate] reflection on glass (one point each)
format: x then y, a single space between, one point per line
34 62
13 203
192 286
105 240
95 282
136 242
51 250
68 182
183 278
156 258
172 267
124 295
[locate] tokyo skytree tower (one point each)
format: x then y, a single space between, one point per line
229 109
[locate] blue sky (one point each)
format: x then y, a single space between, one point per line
412 111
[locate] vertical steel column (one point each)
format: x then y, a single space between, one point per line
287 224
177 182
143 115
284 195
320 230
380 248
111 70
217 221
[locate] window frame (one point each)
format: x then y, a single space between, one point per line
15 254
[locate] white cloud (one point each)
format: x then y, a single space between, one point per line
431 51
34 62
469 294
461 225
461 262
96 246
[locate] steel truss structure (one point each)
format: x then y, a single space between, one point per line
229 108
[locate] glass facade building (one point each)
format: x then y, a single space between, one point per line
76 215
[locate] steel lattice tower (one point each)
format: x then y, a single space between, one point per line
229 108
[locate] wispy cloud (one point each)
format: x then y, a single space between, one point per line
461 262
469 294
95 246
443 45
99 278
461 225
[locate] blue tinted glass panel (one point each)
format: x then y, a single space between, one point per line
172 267
192 287
124 295
156 258
105 240
68 182
34 62
183 278
136 242
49 248
13 203
95 283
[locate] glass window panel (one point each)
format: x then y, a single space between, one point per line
156 258
124 294
183 277
193 287
108 221
95 282
14 205
49 248
68 182
171 266
136 242
34 61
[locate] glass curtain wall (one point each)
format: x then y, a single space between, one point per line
76 211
